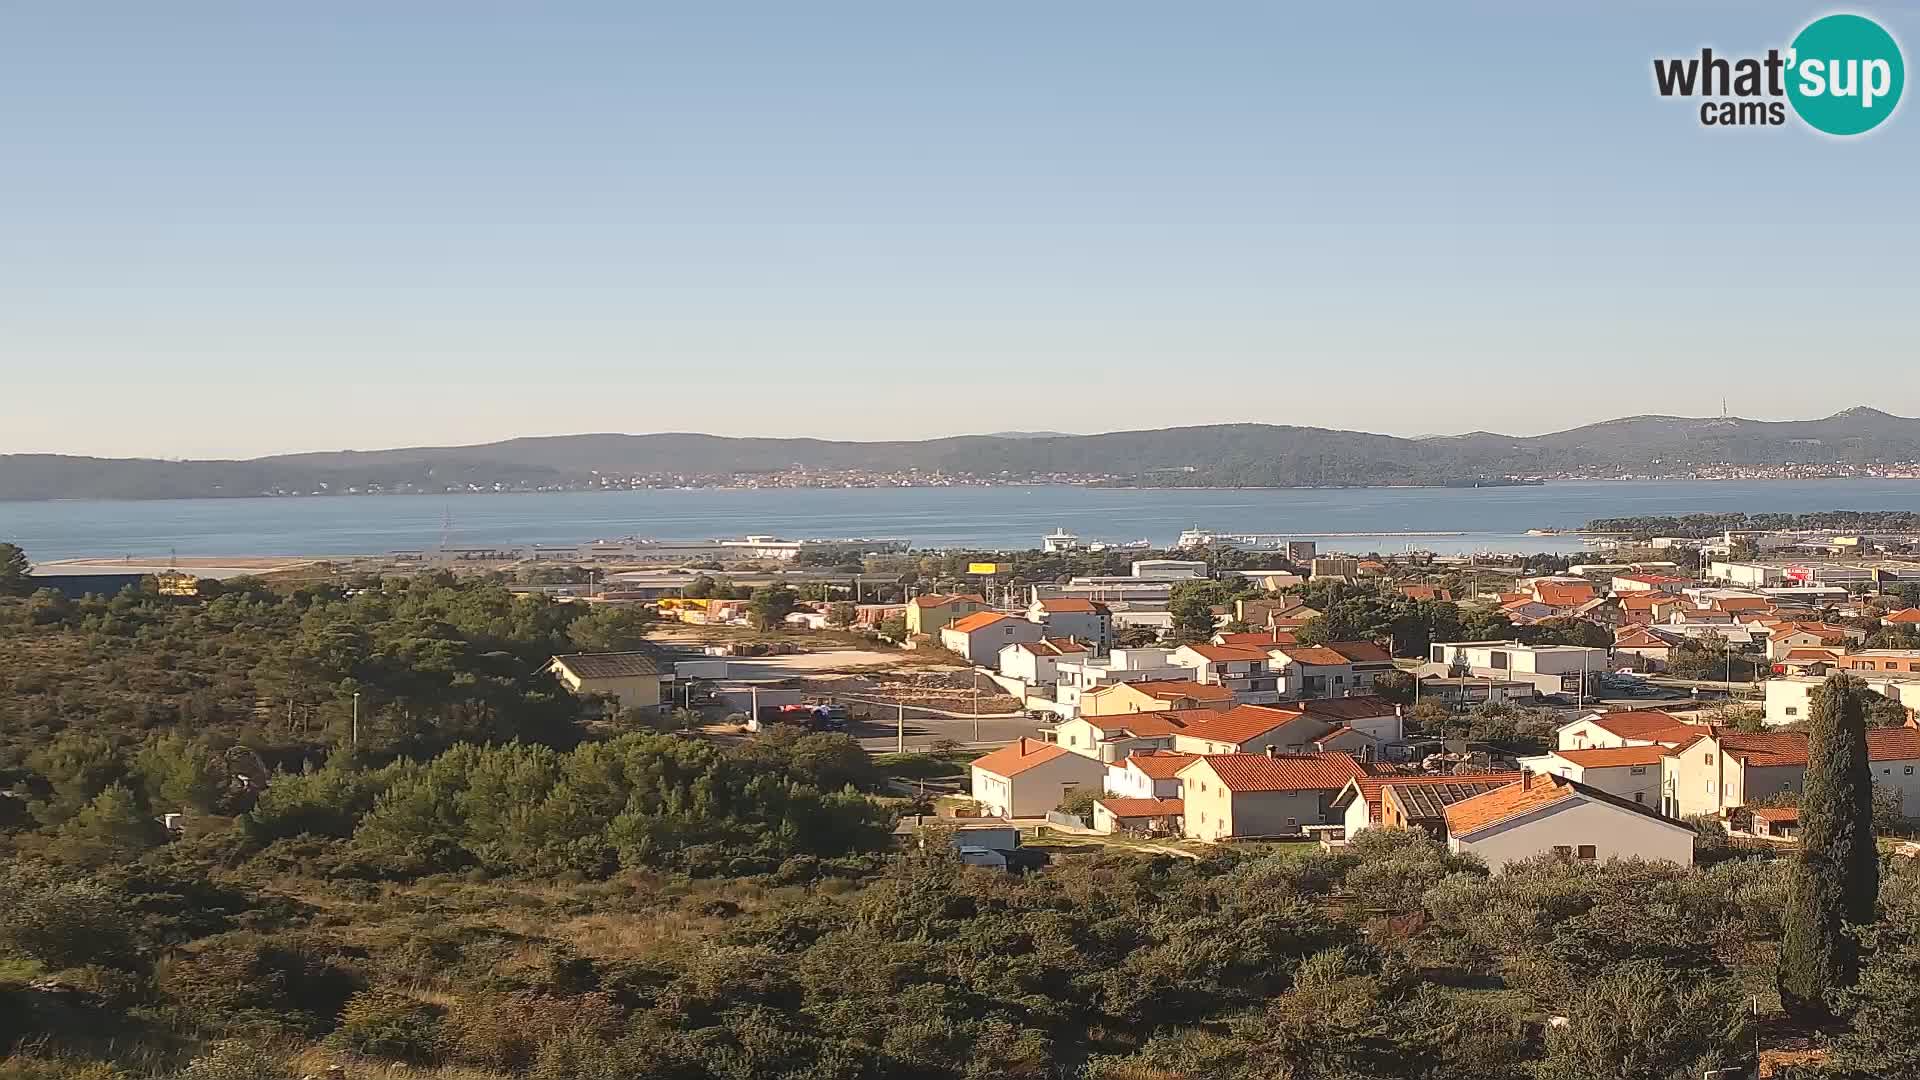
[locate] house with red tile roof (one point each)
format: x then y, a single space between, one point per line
1903 617
1666 583
1255 729
1631 772
1626 727
1362 804
927 614
1545 814
1083 620
1236 796
1719 770
1027 778
1112 738
1147 774
1646 649
1335 669
1156 816
1036 663
1563 595
1426 593
1246 670
1153 695
979 637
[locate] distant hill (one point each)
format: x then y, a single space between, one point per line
1219 455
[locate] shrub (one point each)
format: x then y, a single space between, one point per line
388 1024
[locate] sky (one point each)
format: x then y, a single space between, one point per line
235 228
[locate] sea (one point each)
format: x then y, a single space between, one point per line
1446 520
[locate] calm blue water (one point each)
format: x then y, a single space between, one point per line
992 518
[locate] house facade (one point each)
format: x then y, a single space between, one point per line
631 679
1229 796
928 614
1543 814
1028 778
1037 663
979 637
1087 621
1633 773
1153 695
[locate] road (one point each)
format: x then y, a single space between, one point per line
877 728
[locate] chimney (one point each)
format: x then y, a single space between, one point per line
1272 750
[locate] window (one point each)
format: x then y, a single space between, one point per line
1640 796
1793 710
1709 759
1588 853
1562 850
1637 770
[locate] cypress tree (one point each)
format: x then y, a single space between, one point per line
1836 874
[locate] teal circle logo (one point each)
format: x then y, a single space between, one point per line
1845 74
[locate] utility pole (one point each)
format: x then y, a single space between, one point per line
356 719
976 707
900 730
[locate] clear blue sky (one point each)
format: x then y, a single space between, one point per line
240 228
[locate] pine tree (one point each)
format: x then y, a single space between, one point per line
16 574
1836 875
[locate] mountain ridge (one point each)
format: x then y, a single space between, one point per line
1207 455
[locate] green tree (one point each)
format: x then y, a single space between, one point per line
1836 872
1192 606
770 605
111 828
16 577
175 773
841 614
611 629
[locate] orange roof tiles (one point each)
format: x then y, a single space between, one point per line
1017 757
1157 764
1225 653
1775 813
1281 772
977 621
1562 593
1425 592
1533 792
1171 689
1646 724
1614 756
1361 652
1059 646
1639 637
1371 788
1904 615
1129 808
1316 656
1241 723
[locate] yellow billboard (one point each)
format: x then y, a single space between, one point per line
983 568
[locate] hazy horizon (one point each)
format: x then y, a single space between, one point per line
234 230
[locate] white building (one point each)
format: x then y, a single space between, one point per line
1036 663
1088 621
1544 814
1118 666
979 637
1028 778
1631 772
1790 697
1168 569
1553 669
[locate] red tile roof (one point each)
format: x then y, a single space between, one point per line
1562 593
1425 592
1171 689
1614 756
1775 813
1157 764
1639 637
1224 653
1151 725
1015 758
1370 788
1743 603
1316 656
1361 652
1280 772
977 621
1260 638
1241 723
1646 724
1057 646
1130 808
1533 792
1904 615
1066 605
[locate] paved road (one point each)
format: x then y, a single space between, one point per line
924 728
